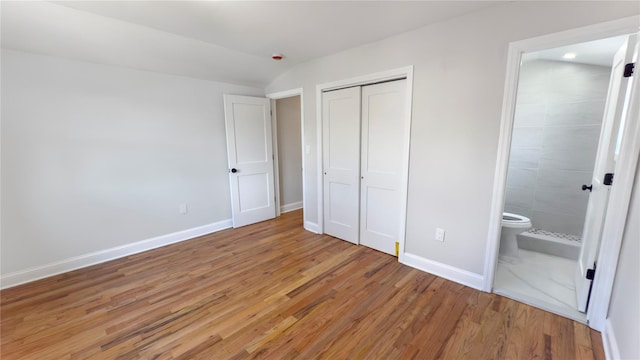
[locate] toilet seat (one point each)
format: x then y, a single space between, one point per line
509 219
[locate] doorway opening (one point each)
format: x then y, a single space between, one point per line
558 130
546 136
289 151
363 134
349 128
252 149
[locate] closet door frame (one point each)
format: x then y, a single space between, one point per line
394 74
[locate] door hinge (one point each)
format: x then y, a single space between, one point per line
608 179
591 273
628 69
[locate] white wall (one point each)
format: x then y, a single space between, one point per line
623 320
289 150
95 157
459 71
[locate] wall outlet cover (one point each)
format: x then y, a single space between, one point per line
183 209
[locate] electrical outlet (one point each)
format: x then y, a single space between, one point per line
440 234
183 209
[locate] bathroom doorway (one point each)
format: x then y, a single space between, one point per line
558 137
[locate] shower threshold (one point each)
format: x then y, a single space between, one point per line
547 242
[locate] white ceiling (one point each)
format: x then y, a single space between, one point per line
228 41
598 52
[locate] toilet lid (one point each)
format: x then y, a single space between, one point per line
509 218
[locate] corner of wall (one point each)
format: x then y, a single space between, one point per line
611 350
313 227
290 207
448 272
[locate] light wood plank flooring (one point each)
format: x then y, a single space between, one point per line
274 291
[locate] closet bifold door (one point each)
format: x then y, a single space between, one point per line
341 162
384 123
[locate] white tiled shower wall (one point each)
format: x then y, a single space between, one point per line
555 137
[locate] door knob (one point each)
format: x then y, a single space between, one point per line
585 187
234 170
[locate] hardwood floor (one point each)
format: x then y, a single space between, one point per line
274 291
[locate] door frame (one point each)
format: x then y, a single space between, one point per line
274 129
625 168
393 74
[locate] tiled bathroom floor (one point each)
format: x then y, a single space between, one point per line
540 280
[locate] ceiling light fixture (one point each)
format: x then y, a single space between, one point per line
569 56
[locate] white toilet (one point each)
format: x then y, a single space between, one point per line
512 225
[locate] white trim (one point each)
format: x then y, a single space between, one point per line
367 79
77 262
286 94
319 164
313 227
403 72
276 156
448 272
502 164
404 189
602 291
609 342
290 207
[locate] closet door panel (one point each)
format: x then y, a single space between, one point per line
384 122
341 162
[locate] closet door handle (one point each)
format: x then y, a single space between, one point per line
234 170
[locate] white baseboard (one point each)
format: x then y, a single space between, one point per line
448 272
313 227
290 207
611 350
58 267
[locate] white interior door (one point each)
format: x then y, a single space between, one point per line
341 162
384 123
250 152
605 162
